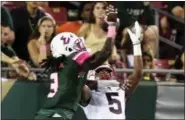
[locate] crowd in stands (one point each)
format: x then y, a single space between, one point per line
28 28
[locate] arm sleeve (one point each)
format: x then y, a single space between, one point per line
89 62
81 57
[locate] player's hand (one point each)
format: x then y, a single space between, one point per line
111 17
32 76
126 86
22 69
135 34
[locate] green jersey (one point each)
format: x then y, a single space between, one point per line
66 86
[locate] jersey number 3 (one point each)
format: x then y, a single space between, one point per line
111 97
54 85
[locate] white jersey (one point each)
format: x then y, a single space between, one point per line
108 102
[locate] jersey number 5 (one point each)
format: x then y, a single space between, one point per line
54 85
111 100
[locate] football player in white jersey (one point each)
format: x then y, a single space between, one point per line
107 100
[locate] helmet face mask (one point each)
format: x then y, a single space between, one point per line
66 43
79 45
103 75
103 72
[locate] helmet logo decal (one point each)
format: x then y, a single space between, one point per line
66 41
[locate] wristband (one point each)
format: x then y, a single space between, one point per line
111 31
137 50
43 48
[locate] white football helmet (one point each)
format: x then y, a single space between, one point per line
92 73
66 43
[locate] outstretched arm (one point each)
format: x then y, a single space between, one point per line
132 81
135 77
101 56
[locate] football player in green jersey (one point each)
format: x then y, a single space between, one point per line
70 58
